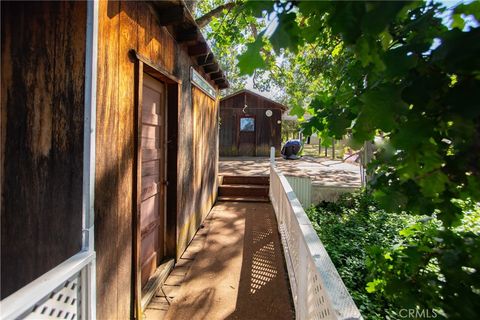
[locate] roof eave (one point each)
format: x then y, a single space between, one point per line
175 15
246 91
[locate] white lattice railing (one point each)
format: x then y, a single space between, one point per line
65 292
317 289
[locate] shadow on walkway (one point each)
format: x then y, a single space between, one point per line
264 289
233 268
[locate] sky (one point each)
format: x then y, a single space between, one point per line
272 24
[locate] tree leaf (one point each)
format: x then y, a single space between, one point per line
457 22
472 8
257 7
398 62
382 14
251 59
286 35
297 111
345 19
381 106
433 183
338 124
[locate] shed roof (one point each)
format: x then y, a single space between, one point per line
248 92
175 15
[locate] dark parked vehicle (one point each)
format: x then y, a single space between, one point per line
291 150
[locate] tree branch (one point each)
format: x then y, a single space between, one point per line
254 30
207 17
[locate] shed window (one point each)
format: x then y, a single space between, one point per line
247 124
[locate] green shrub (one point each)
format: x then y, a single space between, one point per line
349 229
392 262
432 268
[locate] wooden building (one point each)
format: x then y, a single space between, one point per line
109 145
250 124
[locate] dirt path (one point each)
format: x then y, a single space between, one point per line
233 269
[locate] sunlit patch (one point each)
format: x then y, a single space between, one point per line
263 267
259 236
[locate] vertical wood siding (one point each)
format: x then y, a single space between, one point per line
124 26
43 67
205 159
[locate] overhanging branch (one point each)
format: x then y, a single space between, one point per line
218 11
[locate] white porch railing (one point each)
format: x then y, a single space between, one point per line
302 187
65 292
317 289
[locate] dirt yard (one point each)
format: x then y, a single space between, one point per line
322 171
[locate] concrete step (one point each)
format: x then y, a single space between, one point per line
257 180
243 190
243 199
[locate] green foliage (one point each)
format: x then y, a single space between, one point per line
252 59
396 69
406 72
290 129
229 33
349 230
432 267
393 261
281 36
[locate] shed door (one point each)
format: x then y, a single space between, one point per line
247 136
152 214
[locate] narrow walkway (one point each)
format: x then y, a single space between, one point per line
233 269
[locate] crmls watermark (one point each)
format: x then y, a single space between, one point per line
417 314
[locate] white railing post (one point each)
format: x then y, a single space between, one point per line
88 277
272 156
88 273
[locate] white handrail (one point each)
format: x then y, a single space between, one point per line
21 301
317 288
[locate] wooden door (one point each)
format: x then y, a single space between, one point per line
246 136
153 162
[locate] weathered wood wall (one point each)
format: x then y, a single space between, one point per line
267 129
43 67
205 160
124 26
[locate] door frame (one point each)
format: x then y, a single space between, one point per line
172 92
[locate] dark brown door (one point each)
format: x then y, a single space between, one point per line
152 214
246 136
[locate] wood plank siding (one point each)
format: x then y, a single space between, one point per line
205 158
267 129
192 146
42 115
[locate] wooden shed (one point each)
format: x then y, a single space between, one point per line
109 119
250 124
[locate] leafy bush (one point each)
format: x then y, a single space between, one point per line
348 229
432 268
410 71
392 262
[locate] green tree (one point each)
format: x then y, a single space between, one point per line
229 28
399 69
408 71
